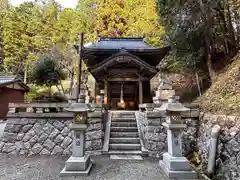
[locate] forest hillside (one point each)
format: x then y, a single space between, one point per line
224 94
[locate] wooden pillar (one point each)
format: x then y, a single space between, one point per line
140 91
105 91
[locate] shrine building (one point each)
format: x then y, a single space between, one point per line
123 67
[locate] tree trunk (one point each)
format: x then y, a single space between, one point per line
231 29
25 74
208 37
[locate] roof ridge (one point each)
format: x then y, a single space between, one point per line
121 38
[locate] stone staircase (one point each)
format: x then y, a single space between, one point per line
124 138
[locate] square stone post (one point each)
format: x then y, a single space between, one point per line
79 163
173 163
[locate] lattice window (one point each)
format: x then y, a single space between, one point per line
175 118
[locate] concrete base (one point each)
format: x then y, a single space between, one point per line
177 167
176 163
178 174
77 166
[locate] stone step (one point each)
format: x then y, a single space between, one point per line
124 129
123 124
124 134
124 146
123 115
125 152
126 157
124 140
124 119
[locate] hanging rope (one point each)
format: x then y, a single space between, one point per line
121 96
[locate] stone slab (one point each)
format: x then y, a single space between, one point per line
192 175
126 157
64 172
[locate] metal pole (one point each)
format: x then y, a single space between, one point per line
79 67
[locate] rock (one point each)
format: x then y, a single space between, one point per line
34 139
54 134
30 154
57 124
57 150
1 145
65 131
37 128
13 153
70 134
66 152
8 147
32 121
233 147
229 170
93 127
27 145
42 138
94 135
22 121
238 159
45 152
42 122
36 149
48 128
23 152
156 136
156 146
48 144
68 123
93 145
59 139
15 128
9 137
28 135
19 146
26 128
155 129
20 136
8 127
66 142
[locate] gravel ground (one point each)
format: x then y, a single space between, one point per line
48 168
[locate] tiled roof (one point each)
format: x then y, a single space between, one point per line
8 79
120 43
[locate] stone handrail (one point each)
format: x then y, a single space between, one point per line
150 107
37 107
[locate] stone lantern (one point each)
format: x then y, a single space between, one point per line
173 163
79 163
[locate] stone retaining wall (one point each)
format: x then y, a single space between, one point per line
228 155
155 134
47 134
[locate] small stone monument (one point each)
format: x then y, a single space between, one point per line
164 91
79 163
173 163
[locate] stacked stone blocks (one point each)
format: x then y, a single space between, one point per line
155 135
49 135
228 152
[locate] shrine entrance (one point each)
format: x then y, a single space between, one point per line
129 93
123 68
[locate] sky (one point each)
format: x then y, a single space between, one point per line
64 3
